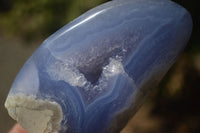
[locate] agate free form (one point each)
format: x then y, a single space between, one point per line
92 75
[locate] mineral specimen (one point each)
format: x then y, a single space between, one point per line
92 75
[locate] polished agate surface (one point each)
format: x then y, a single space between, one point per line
93 74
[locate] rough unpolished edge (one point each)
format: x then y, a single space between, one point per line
34 115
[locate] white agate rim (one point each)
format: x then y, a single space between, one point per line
35 115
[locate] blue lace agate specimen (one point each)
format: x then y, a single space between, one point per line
92 75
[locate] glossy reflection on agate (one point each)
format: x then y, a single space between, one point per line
93 74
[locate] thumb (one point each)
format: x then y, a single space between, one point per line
17 129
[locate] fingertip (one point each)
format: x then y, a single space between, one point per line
17 129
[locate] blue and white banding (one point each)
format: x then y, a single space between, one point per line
92 75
